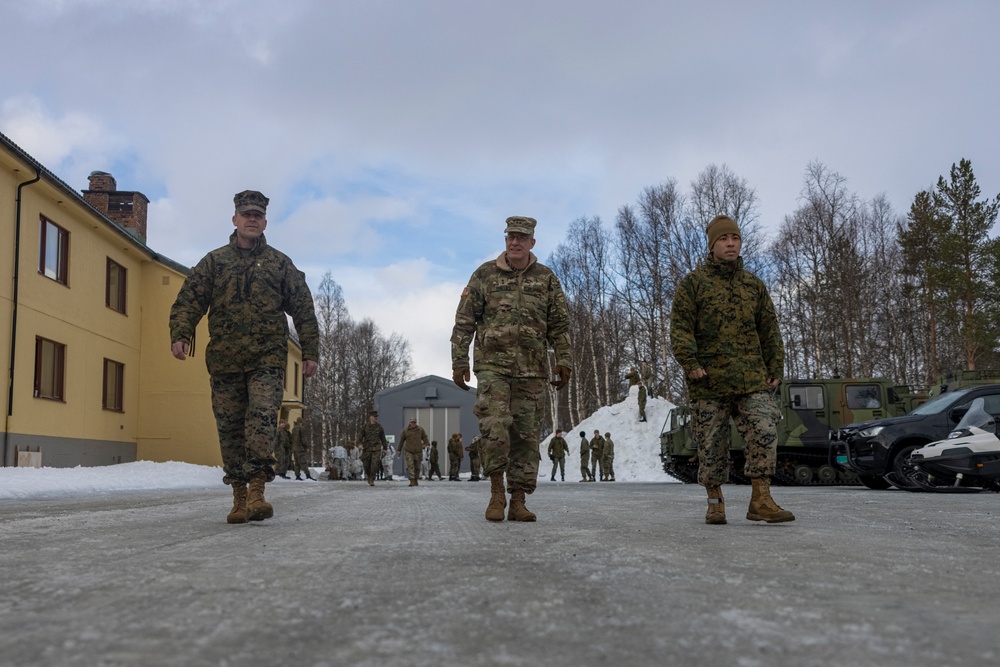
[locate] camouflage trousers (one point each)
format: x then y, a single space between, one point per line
300 463
246 414
475 466
370 460
435 470
284 457
595 465
756 419
454 466
413 461
559 462
609 467
510 416
585 467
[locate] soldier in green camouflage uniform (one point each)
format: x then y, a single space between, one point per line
300 452
585 475
374 446
724 333
608 458
282 449
642 401
246 287
475 462
455 455
434 460
411 447
515 309
557 454
597 455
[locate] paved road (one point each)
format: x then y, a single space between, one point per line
611 574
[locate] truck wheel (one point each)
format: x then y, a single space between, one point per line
874 483
826 474
802 473
901 466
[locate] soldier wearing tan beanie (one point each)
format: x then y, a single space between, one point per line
721 224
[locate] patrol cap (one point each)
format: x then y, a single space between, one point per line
521 225
250 200
721 224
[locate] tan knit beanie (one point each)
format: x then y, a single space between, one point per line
721 224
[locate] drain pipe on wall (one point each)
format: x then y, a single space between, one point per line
13 316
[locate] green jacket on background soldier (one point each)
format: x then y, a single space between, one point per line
557 447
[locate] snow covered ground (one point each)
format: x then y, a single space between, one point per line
637 459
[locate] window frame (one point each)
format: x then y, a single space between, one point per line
61 268
119 367
58 379
121 293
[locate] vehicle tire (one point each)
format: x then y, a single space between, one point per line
874 483
826 474
901 466
802 474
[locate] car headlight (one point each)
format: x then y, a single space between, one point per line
871 431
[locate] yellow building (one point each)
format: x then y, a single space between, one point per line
84 306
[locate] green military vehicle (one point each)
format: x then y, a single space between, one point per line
810 411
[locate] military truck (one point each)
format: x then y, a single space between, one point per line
810 411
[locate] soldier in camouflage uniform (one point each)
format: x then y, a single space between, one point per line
475 464
455 455
608 458
646 375
724 333
515 309
299 452
282 449
585 475
246 287
557 454
642 401
632 376
411 446
374 446
435 465
597 455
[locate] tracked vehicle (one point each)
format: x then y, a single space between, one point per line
810 410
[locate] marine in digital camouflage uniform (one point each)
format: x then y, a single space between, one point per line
724 333
557 454
411 446
515 311
374 446
456 452
246 287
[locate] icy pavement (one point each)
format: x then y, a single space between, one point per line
623 574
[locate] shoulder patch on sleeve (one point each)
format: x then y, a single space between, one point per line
465 292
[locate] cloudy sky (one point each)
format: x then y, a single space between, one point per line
393 138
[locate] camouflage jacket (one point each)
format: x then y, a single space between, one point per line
434 452
297 444
246 296
609 449
558 447
412 440
584 450
282 440
597 446
372 436
515 317
455 449
723 321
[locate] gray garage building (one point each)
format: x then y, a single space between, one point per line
438 405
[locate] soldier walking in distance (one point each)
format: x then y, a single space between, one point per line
374 446
515 309
724 334
585 475
455 455
283 449
557 454
246 287
435 466
411 446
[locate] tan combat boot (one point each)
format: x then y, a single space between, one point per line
413 481
517 511
716 514
498 497
239 513
762 506
258 509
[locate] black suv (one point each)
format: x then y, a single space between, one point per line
879 450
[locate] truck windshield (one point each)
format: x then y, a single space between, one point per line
940 403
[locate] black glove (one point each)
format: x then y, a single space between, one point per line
563 380
460 377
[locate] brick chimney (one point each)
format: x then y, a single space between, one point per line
127 209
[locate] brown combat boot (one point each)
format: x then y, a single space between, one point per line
498 497
258 509
239 512
517 511
762 506
716 514
413 481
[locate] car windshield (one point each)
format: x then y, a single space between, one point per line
940 403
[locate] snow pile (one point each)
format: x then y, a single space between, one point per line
22 482
637 444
